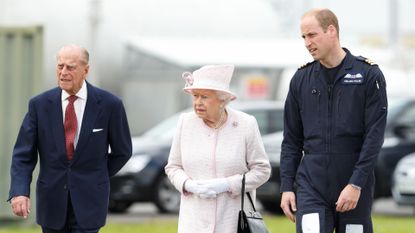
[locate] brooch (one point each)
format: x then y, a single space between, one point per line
234 124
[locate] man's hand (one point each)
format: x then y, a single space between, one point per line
288 205
21 206
348 199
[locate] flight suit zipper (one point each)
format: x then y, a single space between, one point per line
317 93
318 108
330 117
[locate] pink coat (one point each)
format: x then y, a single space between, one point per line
199 152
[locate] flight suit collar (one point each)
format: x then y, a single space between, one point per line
347 65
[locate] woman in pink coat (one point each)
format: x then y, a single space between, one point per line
213 147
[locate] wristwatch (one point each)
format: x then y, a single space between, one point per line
356 187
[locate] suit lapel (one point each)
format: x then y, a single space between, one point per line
56 119
92 110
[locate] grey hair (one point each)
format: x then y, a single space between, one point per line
224 97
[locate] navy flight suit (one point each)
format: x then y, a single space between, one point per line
332 136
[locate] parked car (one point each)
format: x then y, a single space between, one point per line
403 185
143 179
399 141
269 193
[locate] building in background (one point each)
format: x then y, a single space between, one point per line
20 78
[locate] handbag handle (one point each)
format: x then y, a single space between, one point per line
243 195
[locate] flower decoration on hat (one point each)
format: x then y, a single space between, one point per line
210 77
188 78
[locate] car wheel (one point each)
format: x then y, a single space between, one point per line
167 198
119 206
272 206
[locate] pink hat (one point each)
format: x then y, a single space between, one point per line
212 77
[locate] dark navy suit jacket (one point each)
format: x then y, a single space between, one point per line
86 177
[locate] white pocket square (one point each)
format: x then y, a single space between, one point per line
96 130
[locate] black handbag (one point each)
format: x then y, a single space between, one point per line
250 222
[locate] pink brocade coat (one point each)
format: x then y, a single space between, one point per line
199 152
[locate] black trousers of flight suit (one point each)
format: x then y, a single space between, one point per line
320 180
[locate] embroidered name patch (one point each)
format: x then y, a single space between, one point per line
353 78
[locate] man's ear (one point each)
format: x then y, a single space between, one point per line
332 30
86 69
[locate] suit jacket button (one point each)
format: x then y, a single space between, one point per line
65 187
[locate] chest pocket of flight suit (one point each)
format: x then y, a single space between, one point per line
349 111
311 113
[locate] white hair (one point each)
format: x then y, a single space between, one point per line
224 97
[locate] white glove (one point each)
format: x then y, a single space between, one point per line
219 185
203 191
193 187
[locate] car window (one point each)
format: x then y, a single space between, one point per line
394 107
269 120
408 119
165 129
408 116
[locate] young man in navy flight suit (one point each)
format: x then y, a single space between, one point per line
335 116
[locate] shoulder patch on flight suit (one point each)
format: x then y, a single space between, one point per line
305 65
366 60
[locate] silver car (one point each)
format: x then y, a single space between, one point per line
403 187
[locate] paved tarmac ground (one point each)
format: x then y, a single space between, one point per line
147 212
141 212
386 206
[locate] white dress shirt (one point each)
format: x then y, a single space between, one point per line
79 106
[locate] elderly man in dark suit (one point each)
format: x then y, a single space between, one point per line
70 129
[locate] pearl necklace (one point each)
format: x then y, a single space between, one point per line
221 120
